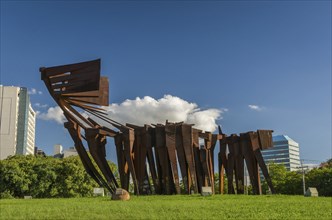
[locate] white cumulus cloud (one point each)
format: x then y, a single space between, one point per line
34 91
255 107
148 110
52 114
39 105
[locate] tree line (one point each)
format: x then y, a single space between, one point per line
291 182
48 177
44 177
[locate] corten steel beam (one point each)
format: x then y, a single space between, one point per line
235 165
230 165
254 142
122 163
96 143
205 172
215 138
182 158
159 145
127 139
140 156
98 97
74 131
264 170
170 131
150 140
187 140
199 169
139 160
162 155
144 153
73 78
262 139
103 130
144 139
265 139
207 147
206 159
239 167
161 183
234 144
265 142
222 159
210 148
221 171
128 143
198 164
251 161
233 153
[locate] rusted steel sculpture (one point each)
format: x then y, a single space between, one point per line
170 158
246 147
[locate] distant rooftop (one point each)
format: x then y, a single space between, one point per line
280 138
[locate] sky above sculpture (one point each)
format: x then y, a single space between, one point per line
245 65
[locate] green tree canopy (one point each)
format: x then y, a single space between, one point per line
45 177
291 182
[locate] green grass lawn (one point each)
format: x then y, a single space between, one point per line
170 207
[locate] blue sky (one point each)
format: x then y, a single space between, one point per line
274 56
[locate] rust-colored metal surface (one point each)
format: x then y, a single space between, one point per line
170 158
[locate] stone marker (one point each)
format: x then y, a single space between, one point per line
27 197
98 192
311 192
120 194
206 191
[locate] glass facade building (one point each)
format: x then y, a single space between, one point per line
285 151
17 120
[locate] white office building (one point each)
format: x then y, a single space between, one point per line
285 151
17 122
70 152
59 152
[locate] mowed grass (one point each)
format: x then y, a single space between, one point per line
170 207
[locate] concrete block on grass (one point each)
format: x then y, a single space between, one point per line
311 192
206 191
98 192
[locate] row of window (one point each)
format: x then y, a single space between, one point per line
276 147
290 163
276 156
279 160
277 150
291 143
